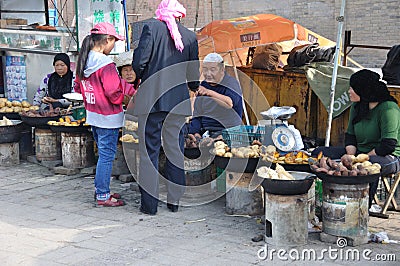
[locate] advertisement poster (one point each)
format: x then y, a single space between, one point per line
16 78
96 11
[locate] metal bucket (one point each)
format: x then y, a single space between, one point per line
47 145
77 150
26 143
120 166
345 209
198 171
9 154
286 219
239 200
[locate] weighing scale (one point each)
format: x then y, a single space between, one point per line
78 109
278 132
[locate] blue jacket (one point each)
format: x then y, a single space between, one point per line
209 115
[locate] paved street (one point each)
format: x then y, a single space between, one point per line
48 219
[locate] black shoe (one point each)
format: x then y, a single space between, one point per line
173 207
143 210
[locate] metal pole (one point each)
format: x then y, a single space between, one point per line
340 19
128 44
246 116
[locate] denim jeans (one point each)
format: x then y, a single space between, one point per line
106 140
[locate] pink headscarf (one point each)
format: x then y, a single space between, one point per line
168 11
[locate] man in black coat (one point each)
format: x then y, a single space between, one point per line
166 63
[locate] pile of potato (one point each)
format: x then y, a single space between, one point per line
251 151
131 125
129 138
349 165
257 150
7 106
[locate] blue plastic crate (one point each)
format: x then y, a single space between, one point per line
242 135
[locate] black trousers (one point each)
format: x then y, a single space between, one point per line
151 128
390 164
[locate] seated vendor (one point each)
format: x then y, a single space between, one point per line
373 127
123 63
218 103
56 84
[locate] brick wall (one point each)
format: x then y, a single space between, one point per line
371 22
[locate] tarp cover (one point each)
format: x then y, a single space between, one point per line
319 76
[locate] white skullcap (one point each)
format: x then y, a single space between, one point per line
213 58
124 59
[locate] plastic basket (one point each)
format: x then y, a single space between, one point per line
79 113
240 136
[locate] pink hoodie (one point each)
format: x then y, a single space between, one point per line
103 91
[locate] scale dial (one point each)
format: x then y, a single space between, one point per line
283 138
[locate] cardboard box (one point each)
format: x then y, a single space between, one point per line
12 21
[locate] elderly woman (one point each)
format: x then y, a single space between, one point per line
124 65
55 84
374 125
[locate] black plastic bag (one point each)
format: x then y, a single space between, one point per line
391 68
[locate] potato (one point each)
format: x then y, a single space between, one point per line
2 104
373 170
362 157
377 165
25 104
228 154
9 110
355 166
17 109
271 149
220 152
9 104
347 161
16 103
219 143
239 154
366 164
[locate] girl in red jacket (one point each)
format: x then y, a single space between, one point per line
103 91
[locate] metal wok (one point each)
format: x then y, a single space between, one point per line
10 134
348 180
39 122
299 186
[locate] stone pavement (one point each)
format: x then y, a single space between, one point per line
48 219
